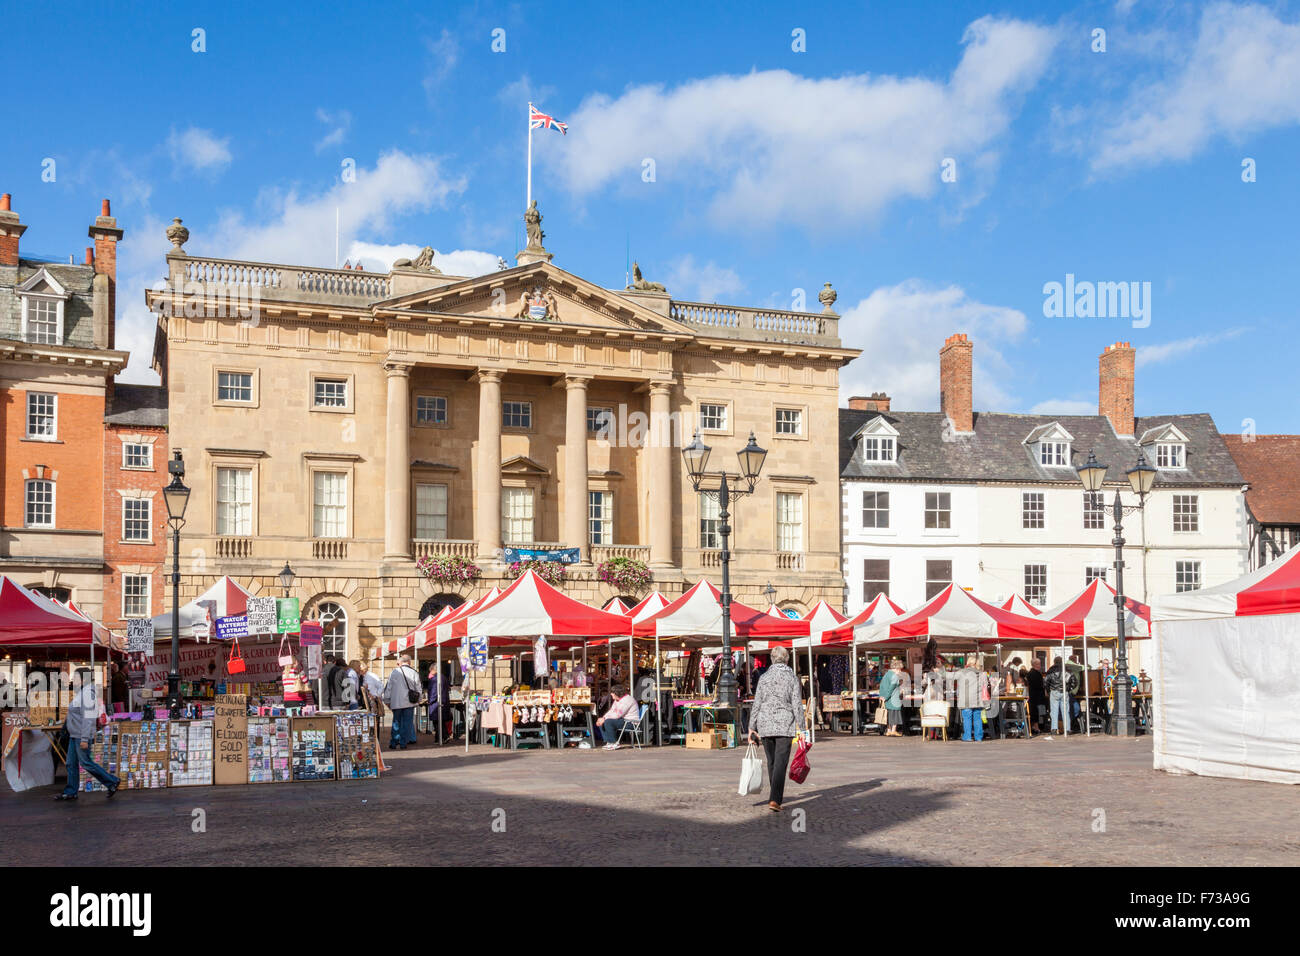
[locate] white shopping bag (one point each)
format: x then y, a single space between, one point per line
751 772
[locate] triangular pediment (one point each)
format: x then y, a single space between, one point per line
538 295
523 465
877 426
42 282
1168 432
1053 431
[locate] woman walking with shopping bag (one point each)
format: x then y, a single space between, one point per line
775 717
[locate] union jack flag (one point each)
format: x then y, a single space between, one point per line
539 120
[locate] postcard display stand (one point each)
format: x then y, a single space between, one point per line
357 746
269 752
104 749
191 753
141 753
313 748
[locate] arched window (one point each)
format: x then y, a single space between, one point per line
439 601
334 623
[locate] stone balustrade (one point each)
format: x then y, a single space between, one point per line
607 552
234 547
444 547
329 549
294 283
768 324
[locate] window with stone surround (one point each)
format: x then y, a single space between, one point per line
137 456
430 409
235 387
135 595
789 422
39 509
600 517
330 393
330 504
713 417
517 516
789 521
431 512
710 523
517 415
234 502
137 523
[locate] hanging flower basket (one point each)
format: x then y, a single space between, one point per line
624 574
447 569
552 572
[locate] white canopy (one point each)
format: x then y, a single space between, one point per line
230 598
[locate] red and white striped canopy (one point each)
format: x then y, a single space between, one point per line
653 603
616 606
956 615
1091 613
30 618
1018 605
774 611
440 632
419 636
1272 589
881 608
698 613
822 619
531 607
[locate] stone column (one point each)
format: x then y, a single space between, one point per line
397 468
660 449
487 520
575 466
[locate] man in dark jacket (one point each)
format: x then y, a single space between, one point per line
334 696
1037 695
1056 682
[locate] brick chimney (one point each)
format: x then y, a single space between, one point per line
1115 386
875 402
10 232
106 234
955 363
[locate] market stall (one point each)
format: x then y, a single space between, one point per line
1224 676
1018 605
224 598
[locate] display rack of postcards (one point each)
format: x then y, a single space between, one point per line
269 751
313 748
104 751
190 753
142 754
356 744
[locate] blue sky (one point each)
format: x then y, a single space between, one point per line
774 170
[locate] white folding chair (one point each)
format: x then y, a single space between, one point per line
636 728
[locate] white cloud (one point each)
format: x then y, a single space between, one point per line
1064 406
198 149
443 54
1169 351
776 147
377 257
523 91
901 329
1239 76
290 228
701 282
339 122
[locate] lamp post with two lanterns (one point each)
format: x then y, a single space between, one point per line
729 489
1142 479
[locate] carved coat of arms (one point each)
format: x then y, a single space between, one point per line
538 304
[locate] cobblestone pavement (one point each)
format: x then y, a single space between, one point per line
868 800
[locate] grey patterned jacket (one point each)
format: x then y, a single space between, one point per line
777 710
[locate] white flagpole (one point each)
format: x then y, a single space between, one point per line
528 202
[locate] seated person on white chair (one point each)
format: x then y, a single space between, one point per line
623 711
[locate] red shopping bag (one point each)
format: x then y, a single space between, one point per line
799 765
236 663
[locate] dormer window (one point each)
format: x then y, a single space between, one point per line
878 442
1170 443
42 309
1171 455
1050 444
1054 454
879 448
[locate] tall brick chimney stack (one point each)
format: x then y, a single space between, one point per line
106 234
1117 368
875 402
955 389
10 232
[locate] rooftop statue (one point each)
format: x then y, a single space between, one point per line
421 263
639 284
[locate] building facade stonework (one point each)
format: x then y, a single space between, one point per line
352 423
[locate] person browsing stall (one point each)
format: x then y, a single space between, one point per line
403 685
83 714
622 711
892 686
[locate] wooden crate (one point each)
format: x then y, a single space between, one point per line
710 740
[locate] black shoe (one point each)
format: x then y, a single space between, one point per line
66 796
112 790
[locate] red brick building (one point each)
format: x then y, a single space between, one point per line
1271 464
135 517
57 363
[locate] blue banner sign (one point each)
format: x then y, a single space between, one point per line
231 627
558 555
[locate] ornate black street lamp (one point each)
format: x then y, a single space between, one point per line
769 592
286 577
177 497
729 489
1142 479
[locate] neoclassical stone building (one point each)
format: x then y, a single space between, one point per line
353 422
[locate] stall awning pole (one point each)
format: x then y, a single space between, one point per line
853 686
437 662
1065 689
659 696
812 694
1087 699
